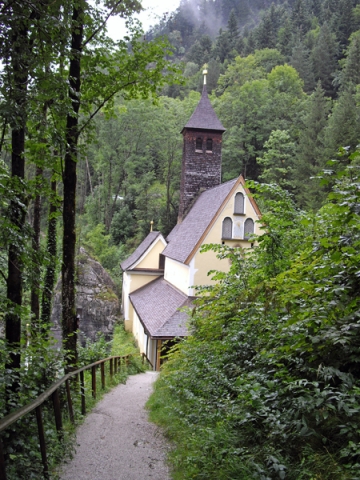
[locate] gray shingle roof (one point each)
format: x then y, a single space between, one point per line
204 116
141 249
189 232
157 304
176 326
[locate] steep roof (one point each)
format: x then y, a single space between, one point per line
204 116
141 249
157 304
190 231
176 325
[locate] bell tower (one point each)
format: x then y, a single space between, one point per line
201 161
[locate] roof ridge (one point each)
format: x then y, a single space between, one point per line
140 250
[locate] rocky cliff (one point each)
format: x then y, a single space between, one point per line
96 302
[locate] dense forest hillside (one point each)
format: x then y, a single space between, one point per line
283 78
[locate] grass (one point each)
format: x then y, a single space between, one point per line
23 453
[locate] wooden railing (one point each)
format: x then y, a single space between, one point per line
145 359
53 391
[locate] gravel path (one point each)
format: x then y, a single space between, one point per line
116 441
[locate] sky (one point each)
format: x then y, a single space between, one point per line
153 10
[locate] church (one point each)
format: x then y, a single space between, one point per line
160 276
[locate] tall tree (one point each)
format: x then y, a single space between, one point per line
343 129
140 72
351 71
300 60
232 28
266 32
277 161
344 23
51 250
300 17
311 155
17 20
222 46
324 57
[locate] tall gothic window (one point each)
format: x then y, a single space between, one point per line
239 203
198 144
209 144
227 228
248 228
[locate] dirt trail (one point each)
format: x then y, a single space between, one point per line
116 441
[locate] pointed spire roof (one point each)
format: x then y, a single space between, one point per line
204 116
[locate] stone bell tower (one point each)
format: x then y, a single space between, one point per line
201 161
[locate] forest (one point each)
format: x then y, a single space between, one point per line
91 152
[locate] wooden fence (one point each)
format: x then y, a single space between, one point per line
53 391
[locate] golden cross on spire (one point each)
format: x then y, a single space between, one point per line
205 73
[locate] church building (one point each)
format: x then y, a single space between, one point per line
160 276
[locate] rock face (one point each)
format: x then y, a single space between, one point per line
97 304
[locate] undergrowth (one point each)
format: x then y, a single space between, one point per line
268 385
43 365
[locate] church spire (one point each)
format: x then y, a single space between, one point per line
201 163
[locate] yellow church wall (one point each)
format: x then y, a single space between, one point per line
131 282
177 274
129 322
146 345
138 332
151 259
203 262
140 279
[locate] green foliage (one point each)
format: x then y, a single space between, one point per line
93 351
278 159
268 385
251 111
42 366
99 245
122 342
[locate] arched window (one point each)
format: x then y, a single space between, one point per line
239 203
248 228
227 228
209 144
198 144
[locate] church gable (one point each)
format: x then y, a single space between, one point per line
237 220
234 225
147 254
189 233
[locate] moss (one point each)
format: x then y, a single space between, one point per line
107 295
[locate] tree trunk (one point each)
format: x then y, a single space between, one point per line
17 205
69 179
35 286
49 280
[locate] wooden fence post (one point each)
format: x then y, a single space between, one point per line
70 406
93 381
82 393
102 368
40 425
2 463
57 411
111 368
